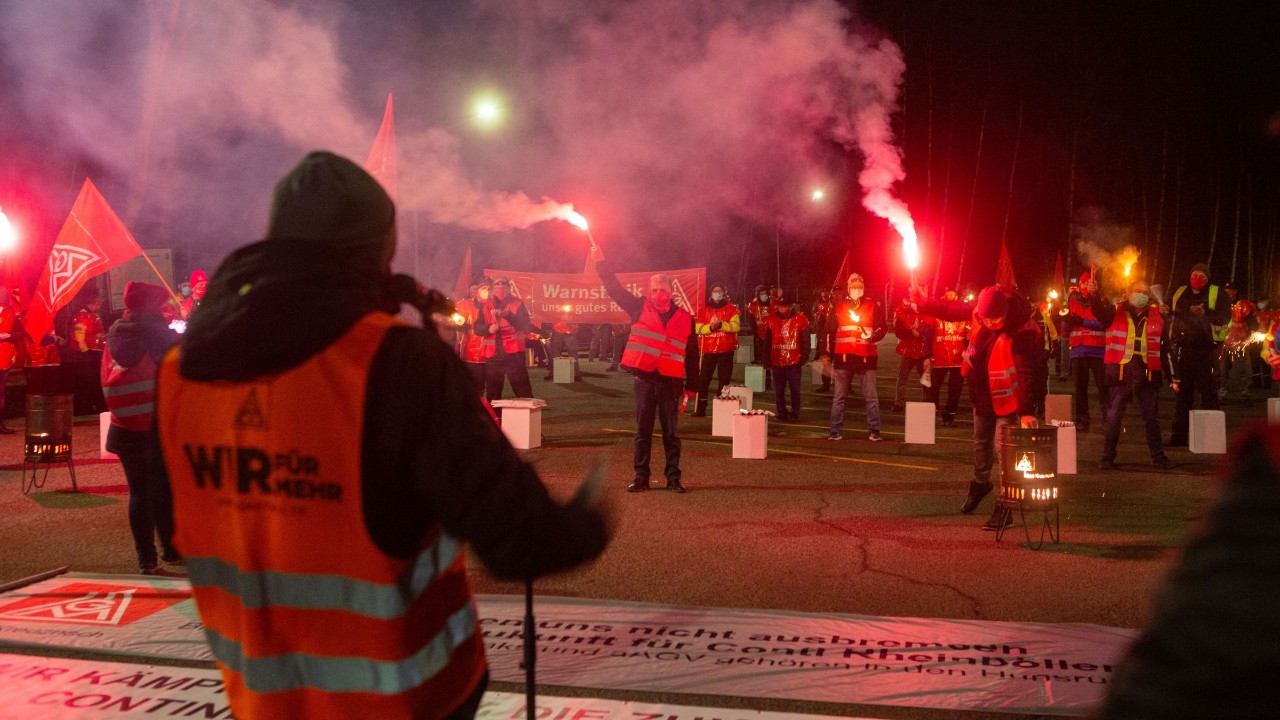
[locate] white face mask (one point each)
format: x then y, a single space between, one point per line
717 296
855 293
764 297
1138 299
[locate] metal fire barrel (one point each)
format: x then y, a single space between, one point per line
49 424
1028 468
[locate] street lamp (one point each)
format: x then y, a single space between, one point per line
487 111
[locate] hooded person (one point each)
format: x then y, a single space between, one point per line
1198 310
716 327
333 561
199 285
998 363
758 310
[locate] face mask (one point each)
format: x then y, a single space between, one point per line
661 298
1198 282
717 296
483 293
1138 299
764 297
855 293
1262 304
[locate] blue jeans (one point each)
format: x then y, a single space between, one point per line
784 377
867 379
657 396
1148 394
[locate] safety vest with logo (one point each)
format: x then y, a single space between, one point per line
1081 335
849 340
760 314
472 346
511 340
949 341
785 333
130 392
1124 342
305 615
1219 331
719 341
655 346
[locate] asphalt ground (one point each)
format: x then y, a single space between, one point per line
842 527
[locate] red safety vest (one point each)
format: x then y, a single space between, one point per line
721 340
130 392
1081 335
511 342
8 346
849 340
760 312
949 342
87 332
786 349
908 346
1121 338
1002 377
305 615
472 346
654 346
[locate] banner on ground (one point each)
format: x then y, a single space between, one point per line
63 689
581 298
1029 668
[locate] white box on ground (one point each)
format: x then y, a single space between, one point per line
744 394
920 423
522 421
104 424
744 355
754 378
1067 448
562 374
750 436
723 411
1208 432
1057 407
1273 411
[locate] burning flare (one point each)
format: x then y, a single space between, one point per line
575 218
457 319
8 233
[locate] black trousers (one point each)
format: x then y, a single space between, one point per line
954 382
1081 368
506 367
657 397
150 499
713 364
1195 375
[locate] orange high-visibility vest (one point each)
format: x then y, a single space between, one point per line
305 615
130 392
511 341
472 347
1122 337
1081 335
655 346
849 340
1002 377
718 341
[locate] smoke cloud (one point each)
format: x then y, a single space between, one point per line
673 118
1109 247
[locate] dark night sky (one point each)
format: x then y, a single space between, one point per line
1166 113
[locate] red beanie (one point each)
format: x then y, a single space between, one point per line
142 297
992 303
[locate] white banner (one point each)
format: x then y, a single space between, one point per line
1032 668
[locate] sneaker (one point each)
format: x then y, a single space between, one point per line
675 486
612 368
874 436
638 486
1164 462
1106 464
173 557
835 436
948 420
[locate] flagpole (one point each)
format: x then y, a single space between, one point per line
164 282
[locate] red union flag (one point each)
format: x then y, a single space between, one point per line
381 163
92 241
547 295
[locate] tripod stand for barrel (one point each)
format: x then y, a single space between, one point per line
47 439
1028 481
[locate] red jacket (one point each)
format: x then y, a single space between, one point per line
472 346
949 341
760 312
906 325
87 332
785 336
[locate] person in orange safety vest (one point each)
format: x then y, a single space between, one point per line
470 344
850 341
717 326
327 473
998 363
788 333
655 355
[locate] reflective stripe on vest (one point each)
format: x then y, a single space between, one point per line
307 617
1121 339
654 346
1081 335
1002 377
1219 331
721 340
511 342
130 393
849 340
